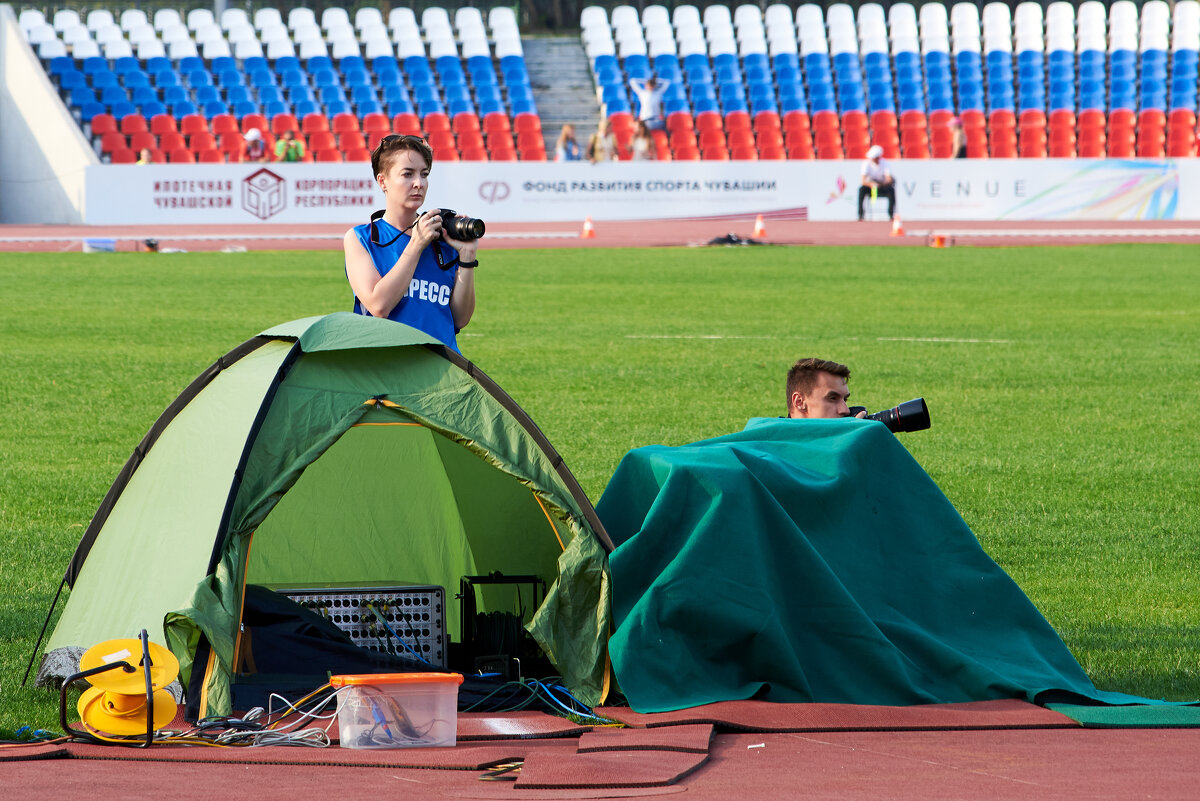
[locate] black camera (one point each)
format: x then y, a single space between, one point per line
912 415
466 229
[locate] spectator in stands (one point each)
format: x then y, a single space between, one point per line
877 181
816 388
256 148
650 96
395 262
958 139
642 146
602 145
566 148
145 156
289 148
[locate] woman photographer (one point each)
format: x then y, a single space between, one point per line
391 261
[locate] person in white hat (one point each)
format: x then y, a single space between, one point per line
256 148
877 181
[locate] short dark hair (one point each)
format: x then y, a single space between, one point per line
803 374
392 144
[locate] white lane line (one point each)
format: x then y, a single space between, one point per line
944 339
1054 232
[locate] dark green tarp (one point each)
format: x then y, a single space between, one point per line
813 561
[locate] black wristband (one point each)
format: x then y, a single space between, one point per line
469 265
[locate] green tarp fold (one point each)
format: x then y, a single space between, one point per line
813 561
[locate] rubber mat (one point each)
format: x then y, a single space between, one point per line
473 758
1166 716
762 716
607 769
523 725
691 739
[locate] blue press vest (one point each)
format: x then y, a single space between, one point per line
426 304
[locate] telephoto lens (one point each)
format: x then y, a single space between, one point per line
466 229
911 415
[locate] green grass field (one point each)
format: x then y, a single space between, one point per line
1062 383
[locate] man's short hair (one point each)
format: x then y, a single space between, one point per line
393 144
803 375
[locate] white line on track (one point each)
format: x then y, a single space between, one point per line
944 339
1055 232
877 339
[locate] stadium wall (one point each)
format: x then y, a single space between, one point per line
44 155
973 189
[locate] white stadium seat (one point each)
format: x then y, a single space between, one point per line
301 17
155 49
53 48
165 17
654 15
247 48
65 18
268 16
502 18
31 18
686 15
374 48
99 18
278 48
198 17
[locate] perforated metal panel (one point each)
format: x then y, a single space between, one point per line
415 615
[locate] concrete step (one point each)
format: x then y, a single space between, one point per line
563 89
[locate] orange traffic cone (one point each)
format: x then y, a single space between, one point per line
760 230
589 230
937 241
897 226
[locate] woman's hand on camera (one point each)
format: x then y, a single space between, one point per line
465 248
427 228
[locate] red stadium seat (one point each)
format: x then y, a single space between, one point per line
972 118
496 121
133 123
193 123
141 140
830 153
715 153
255 121
344 123
825 121
123 156
798 142
284 122
1002 118
223 124
470 139
213 156
352 140
856 121
436 121
913 119
680 139
533 154
172 141
499 140
1092 144
744 153
232 144
531 122
769 137
159 124
737 121
1061 118
202 142
526 139
772 153
680 121
709 139
620 122
407 123
503 153
441 139
329 155
1062 149
796 121
181 155
474 154
114 141
709 121
376 121
358 154
883 119
686 153
313 123
322 140
465 121
157 156
1032 118
106 123
1004 143
767 121
939 118
740 138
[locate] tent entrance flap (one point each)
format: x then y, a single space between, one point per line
399 504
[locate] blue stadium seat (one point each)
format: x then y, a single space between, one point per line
456 92
789 60
941 98
355 78
254 64
275 108
238 94
335 107
71 80
152 109
261 78
300 94
126 64
143 95
91 109
637 66
396 94
222 63
94 64
270 94
385 79
425 93
240 110
304 108
348 63
787 104
82 95
60 65
385 63
362 92
122 109
705 104
135 79
111 95
230 78
600 62
909 59
488 94
489 106
331 94
175 94
318 63
456 107
430 107
103 80
369 107
206 94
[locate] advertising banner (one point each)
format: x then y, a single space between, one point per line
976 189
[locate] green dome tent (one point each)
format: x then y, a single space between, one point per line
345 450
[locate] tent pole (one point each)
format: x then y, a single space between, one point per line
42 633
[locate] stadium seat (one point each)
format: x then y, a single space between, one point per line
181 156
